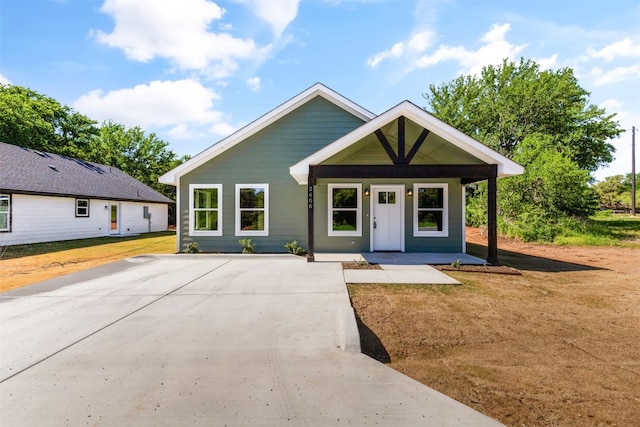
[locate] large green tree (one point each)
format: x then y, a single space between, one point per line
506 103
543 120
144 157
30 119
33 120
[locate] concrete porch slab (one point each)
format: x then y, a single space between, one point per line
400 274
401 258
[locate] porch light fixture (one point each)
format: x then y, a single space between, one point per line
409 192
366 192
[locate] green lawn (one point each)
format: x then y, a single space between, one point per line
604 230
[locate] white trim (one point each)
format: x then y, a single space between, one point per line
178 225
402 196
464 219
445 210
84 199
7 197
239 231
194 232
254 127
506 167
334 233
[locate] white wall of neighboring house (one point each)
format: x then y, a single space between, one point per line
36 219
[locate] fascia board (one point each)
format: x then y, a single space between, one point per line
257 125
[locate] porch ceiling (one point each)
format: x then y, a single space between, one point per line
434 150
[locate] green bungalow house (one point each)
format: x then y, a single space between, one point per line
326 172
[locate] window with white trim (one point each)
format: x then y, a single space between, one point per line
82 207
205 209
5 212
345 209
252 209
430 210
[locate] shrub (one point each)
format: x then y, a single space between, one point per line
294 248
247 246
192 248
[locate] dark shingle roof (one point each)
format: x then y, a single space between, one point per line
23 170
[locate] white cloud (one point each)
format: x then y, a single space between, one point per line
548 63
418 43
254 83
277 13
183 106
177 31
622 49
4 80
493 50
616 75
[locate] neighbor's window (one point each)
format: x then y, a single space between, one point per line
5 205
430 206
345 209
252 209
205 209
82 207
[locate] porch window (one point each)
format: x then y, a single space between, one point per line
5 209
430 210
205 209
82 207
252 209
345 209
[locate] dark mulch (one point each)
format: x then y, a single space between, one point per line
353 265
495 269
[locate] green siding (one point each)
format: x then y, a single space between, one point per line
265 158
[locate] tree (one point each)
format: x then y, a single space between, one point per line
543 121
615 191
36 121
144 157
509 102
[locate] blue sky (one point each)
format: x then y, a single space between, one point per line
192 71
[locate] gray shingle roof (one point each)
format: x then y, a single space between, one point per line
23 170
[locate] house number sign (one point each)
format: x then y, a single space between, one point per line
311 197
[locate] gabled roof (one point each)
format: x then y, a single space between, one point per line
254 127
506 167
27 171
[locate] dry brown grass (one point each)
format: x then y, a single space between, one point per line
26 264
556 346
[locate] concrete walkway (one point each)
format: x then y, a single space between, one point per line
401 268
214 340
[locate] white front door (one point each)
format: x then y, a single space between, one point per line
387 219
114 219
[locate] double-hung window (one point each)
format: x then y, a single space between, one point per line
5 212
430 210
345 209
205 209
82 207
252 209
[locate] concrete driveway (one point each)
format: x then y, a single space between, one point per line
215 340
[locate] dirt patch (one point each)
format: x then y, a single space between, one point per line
355 265
495 269
555 346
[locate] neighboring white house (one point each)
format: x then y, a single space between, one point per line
48 197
